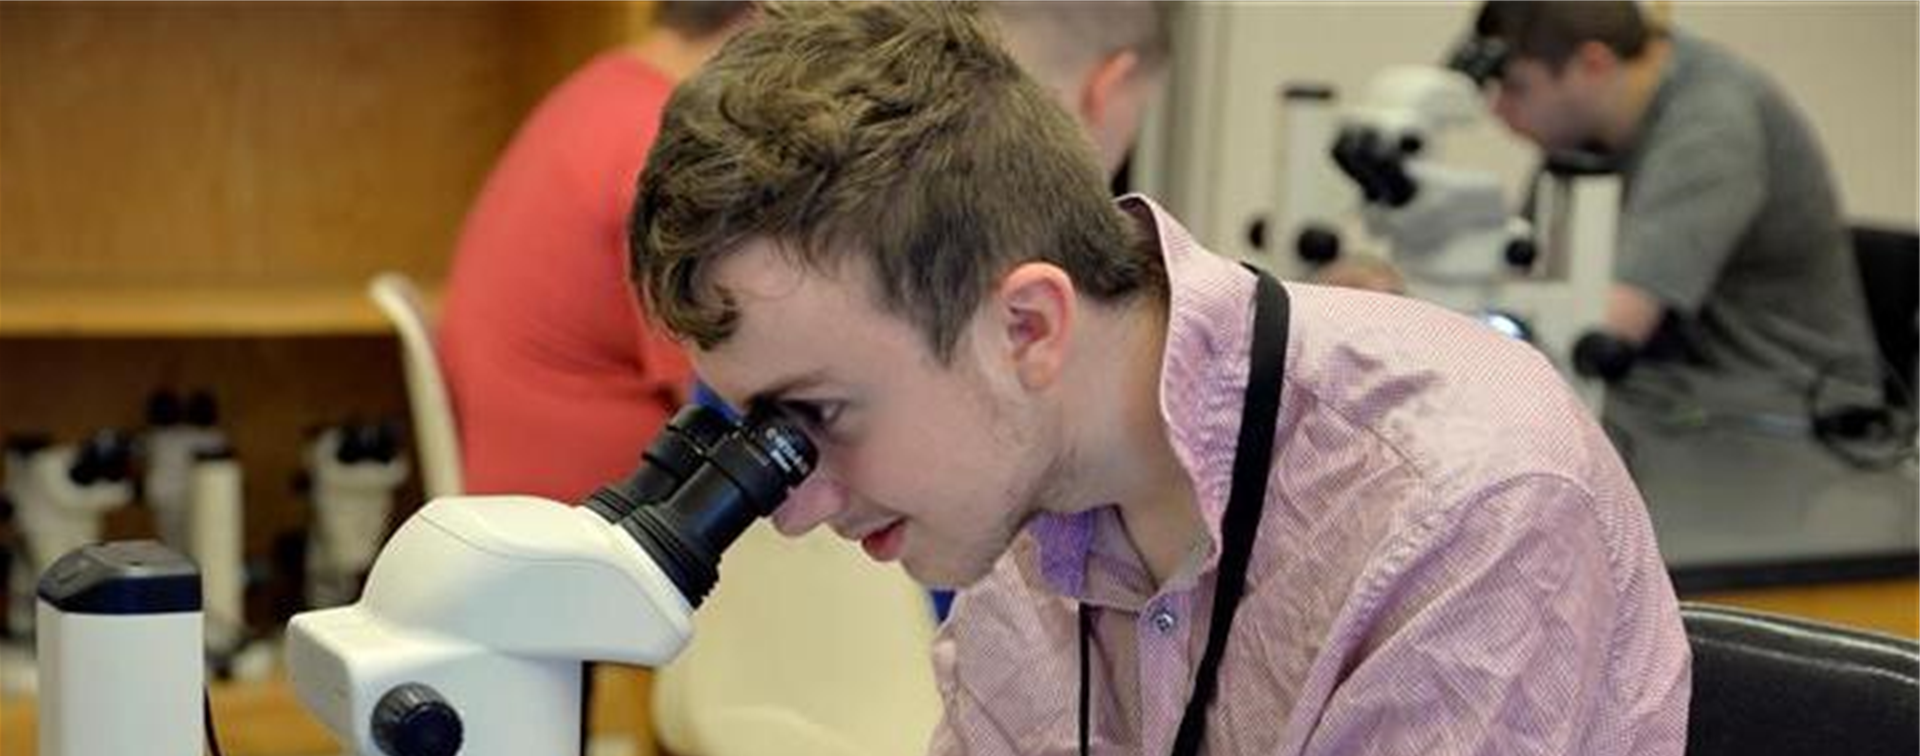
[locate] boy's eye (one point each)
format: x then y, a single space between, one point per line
816 415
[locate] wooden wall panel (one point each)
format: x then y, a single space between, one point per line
553 39
241 143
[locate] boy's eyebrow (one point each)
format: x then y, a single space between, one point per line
785 386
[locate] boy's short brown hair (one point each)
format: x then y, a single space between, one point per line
901 133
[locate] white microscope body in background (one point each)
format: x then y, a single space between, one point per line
61 495
196 489
1448 229
177 432
354 470
216 541
486 605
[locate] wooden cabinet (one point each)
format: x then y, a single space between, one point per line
193 195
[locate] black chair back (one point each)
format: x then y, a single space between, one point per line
1766 685
1889 262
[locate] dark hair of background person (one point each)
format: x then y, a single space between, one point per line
698 19
1551 32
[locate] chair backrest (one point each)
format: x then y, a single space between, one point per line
1889 262
1766 685
805 648
435 434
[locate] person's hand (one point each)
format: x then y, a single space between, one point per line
1359 272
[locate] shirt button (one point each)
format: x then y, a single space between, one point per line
1164 620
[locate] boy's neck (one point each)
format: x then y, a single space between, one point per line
1125 446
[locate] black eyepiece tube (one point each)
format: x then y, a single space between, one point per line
742 477
668 462
1482 59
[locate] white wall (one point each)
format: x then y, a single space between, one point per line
1851 66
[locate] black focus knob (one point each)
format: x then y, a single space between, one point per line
1603 356
1521 253
413 720
1257 233
1317 244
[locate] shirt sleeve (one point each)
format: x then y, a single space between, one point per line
1697 190
1494 638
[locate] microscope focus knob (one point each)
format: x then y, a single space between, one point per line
1317 244
413 720
1521 253
1603 356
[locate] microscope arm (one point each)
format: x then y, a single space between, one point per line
470 634
492 603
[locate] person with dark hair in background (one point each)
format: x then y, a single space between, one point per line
556 379
1102 61
1194 508
1734 274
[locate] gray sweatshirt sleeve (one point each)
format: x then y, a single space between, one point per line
1700 182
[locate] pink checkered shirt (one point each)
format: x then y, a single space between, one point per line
1452 559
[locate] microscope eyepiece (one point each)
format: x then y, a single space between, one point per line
105 456
682 446
1482 59
702 483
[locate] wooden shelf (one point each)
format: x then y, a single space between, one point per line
266 719
192 311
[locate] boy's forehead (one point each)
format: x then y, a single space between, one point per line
794 321
765 270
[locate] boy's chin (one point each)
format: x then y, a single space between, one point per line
944 577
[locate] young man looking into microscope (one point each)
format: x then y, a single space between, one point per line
868 217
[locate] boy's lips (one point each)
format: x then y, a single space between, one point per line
883 544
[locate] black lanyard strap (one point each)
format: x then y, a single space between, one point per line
1252 461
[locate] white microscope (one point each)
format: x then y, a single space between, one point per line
178 430
1448 229
353 469
474 623
61 494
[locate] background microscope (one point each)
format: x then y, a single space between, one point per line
60 493
353 470
1449 229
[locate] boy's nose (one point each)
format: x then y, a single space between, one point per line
814 502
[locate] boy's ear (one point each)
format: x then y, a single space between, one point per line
1035 308
1104 84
